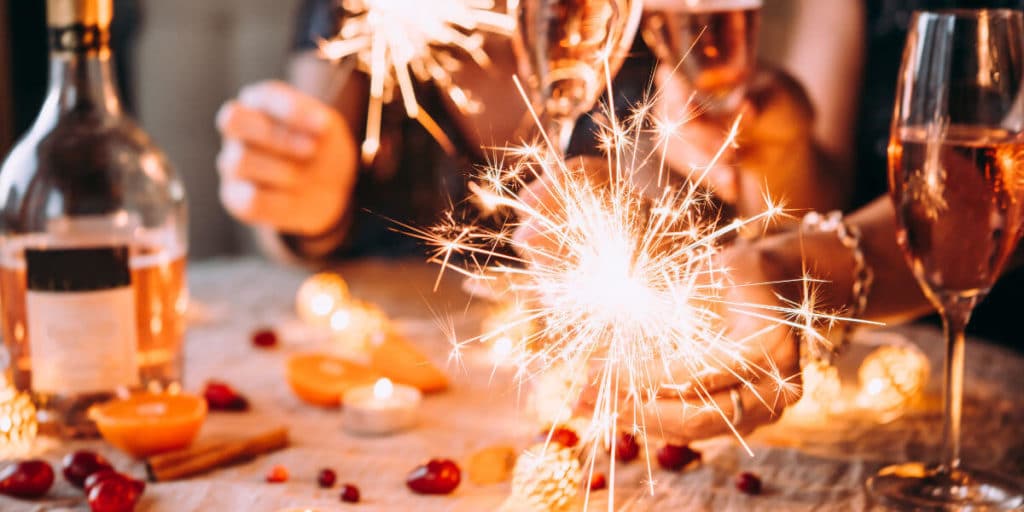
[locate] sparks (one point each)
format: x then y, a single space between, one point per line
624 283
397 41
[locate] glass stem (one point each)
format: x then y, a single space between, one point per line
559 131
956 312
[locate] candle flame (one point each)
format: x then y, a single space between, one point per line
383 389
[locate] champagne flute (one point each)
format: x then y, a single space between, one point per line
563 48
956 157
714 44
713 41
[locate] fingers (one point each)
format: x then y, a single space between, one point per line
243 123
684 421
695 147
288 106
239 161
529 236
776 357
253 204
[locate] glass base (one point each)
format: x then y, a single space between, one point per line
914 486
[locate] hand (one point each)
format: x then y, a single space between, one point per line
771 356
287 161
542 194
774 147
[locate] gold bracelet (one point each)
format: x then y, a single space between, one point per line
863 275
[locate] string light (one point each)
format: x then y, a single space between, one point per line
18 424
320 297
892 377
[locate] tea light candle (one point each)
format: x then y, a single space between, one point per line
383 408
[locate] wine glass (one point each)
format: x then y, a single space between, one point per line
714 42
564 47
956 157
714 45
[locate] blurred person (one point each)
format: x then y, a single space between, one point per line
290 164
857 138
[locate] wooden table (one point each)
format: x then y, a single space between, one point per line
804 467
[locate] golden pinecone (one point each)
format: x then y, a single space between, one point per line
546 478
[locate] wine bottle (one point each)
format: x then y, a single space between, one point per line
92 238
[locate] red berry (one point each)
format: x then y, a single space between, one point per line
564 436
98 477
326 478
114 495
748 483
598 482
438 476
277 474
26 479
674 457
264 338
106 474
627 449
220 396
79 465
350 493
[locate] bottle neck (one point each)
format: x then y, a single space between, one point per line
81 72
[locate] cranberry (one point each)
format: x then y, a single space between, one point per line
350 493
598 482
277 474
674 457
627 449
79 465
564 436
26 479
326 478
748 483
98 477
438 476
114 495
264 338
220 396
107 474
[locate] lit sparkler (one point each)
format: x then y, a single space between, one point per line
630 291
397 41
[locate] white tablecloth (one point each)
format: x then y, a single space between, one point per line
803 467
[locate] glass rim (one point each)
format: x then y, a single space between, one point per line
965 12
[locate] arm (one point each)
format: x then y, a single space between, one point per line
797 133
895 295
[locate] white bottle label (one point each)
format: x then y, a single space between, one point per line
82 342
80 315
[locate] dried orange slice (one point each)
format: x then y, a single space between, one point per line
322 379
149 423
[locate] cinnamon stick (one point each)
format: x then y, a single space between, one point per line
193 461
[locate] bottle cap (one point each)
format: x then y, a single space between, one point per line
63 13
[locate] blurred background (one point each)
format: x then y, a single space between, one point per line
177 62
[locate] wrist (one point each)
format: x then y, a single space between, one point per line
319 245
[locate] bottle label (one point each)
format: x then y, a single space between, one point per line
80 309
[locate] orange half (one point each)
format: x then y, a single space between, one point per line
148 423
322 379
